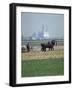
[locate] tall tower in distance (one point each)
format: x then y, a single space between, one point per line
45 32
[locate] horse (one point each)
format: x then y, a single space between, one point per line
49 45
24 48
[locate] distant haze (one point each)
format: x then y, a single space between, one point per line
34 22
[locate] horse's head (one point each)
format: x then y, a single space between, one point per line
54 42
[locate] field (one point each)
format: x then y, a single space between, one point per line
46 67
38 63
43 55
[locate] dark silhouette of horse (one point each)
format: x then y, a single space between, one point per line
49 45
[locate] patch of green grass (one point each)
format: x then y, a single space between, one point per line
48 67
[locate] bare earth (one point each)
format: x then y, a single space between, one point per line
57 53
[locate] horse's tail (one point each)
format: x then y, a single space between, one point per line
42 44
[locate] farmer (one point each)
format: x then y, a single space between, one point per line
28 47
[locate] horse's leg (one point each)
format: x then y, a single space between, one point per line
53 48
44 49
49 49
41 49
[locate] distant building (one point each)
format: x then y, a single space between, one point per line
43 34
34 36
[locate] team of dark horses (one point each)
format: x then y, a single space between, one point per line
50 45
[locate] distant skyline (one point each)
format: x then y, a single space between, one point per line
35 22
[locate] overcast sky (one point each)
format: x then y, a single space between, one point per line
32 22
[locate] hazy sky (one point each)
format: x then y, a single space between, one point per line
32 22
